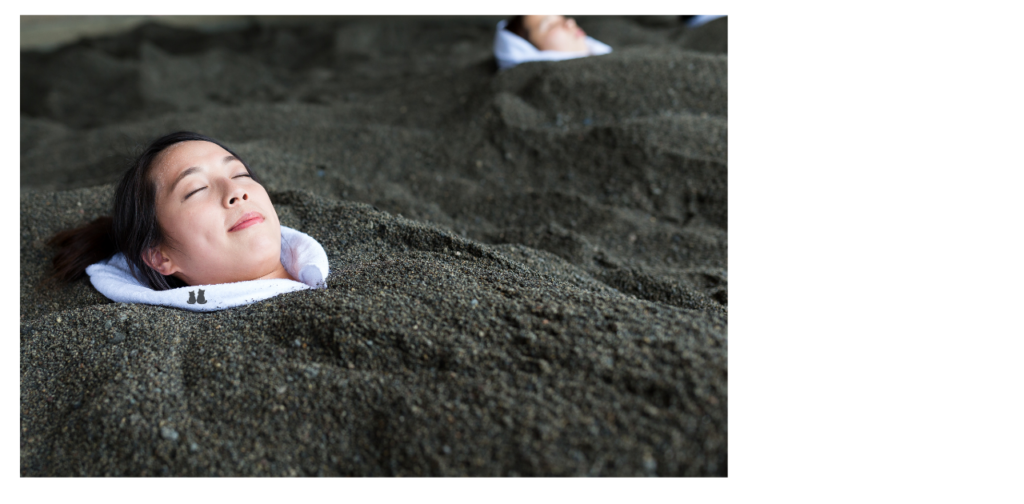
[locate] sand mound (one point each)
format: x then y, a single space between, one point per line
528 270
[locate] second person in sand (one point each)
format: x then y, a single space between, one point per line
542 38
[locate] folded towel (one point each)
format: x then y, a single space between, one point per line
511 49
301 256
696 21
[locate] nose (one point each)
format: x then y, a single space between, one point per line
570 22
236 194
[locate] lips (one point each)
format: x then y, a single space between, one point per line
249 219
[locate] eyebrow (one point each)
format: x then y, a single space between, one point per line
193 169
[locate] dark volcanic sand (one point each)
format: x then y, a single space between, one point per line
528 270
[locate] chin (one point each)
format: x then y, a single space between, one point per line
268 238
266 251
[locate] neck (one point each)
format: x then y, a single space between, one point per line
278 272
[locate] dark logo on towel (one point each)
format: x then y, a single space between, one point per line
192 297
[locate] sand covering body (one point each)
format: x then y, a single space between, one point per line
511 49
552 301
301 255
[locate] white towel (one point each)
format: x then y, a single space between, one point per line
301 256
696 21
511 49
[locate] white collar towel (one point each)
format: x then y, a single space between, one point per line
511 49
301 256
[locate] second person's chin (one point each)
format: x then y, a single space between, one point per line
579 46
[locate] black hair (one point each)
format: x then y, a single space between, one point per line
515 25
132 229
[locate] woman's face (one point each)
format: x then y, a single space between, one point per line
555 33
219 225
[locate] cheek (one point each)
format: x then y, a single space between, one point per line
198 218
268 206
188 228
556 40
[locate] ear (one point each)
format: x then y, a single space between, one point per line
156 259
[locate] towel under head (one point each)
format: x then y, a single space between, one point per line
511 49
301 256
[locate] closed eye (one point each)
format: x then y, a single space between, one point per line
189 195
203 187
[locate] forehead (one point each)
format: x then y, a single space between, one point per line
184 155
532 23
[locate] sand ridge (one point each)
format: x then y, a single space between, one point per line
528 270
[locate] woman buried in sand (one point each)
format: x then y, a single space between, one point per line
189 212
542 38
